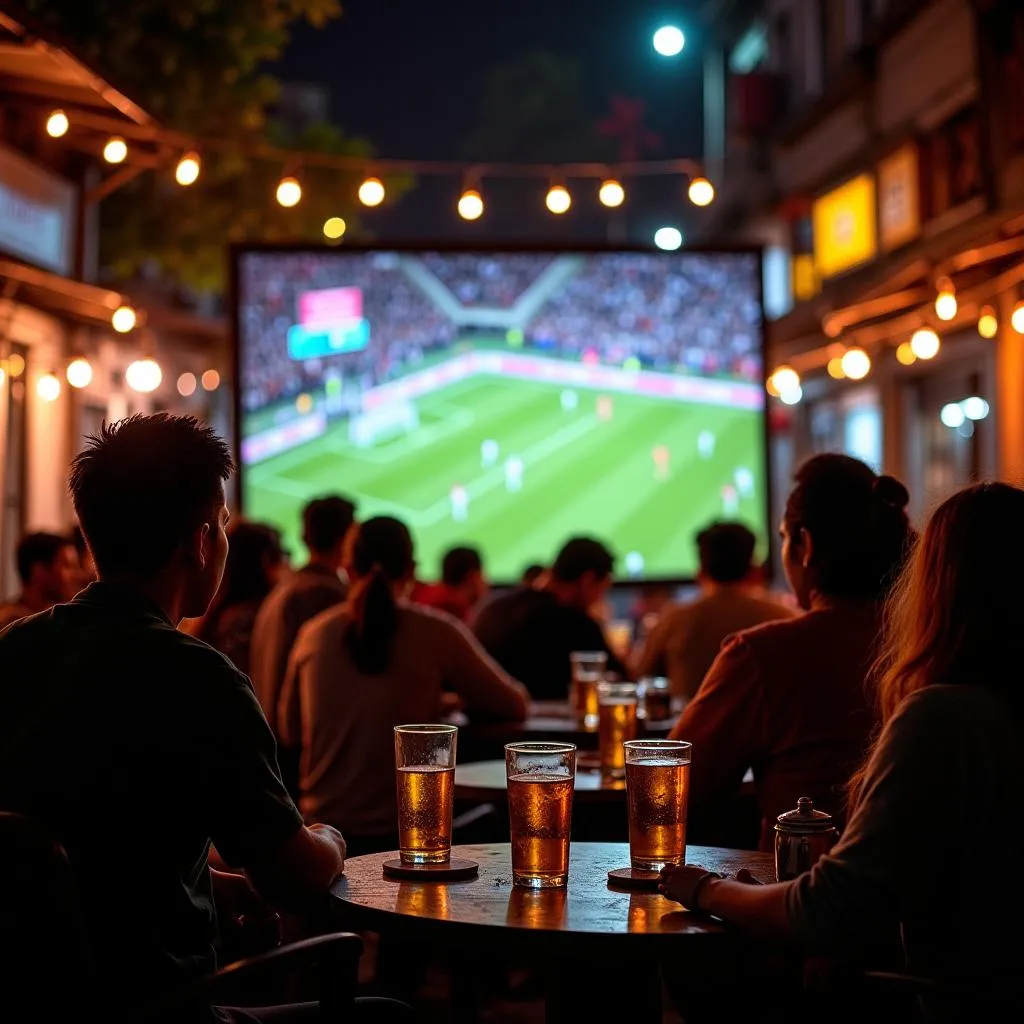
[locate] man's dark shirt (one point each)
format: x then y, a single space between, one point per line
531 634
136 745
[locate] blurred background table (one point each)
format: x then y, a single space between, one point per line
602 948
483 781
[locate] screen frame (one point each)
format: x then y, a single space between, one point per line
238 250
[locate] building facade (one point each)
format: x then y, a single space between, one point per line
876 151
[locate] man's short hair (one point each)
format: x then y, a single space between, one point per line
326 522
581 555
726 551
38 549
142 485
459 564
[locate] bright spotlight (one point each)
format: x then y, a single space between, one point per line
668 238
669 41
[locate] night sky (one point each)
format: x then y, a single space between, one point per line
406 74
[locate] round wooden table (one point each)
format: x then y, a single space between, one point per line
584 933
484 782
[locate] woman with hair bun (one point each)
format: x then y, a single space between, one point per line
788 698
361 668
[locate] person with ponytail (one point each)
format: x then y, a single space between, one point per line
938 808
359 669
788 698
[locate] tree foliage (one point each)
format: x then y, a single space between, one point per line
199 66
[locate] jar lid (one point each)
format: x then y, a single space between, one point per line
804 819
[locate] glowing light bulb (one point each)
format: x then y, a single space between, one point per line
371 192
925 343
988 325
211 380
669 41
471 205
57 124
952 415
905 354
48 387
1017 318
116 150
611 193
835 368
668 238
784 379
187 171
792 396
975 408
187 385
124 319
701 192
144 375
946 304
334 227
289 192
16 364
558 199
79 373
856 363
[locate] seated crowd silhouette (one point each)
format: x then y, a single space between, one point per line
206 733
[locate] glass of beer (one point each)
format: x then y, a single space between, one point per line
657 792
655 698
540 778
617 713
425 771
588 668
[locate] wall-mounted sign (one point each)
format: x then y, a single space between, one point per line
844 226
899 197
37 214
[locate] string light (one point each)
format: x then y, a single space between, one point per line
187 171
835 368
289 191
371 192
187 385
57 124
784 381
123 319
334 228
905 354
558 200
856 363
1017 318
48 387
471 205
144 375
988 325
925 343
701 192
79 373
16 364
611 193
945 301
116 150
211 380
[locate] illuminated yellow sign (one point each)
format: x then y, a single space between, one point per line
805 278
899 202
844 227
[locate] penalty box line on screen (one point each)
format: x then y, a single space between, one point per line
440 510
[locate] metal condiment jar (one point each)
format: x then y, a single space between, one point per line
801 837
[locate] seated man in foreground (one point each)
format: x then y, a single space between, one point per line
136 745
687 639
532 631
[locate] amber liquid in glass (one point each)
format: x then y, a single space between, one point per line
540 814
617 725
657 792
586 690
425 793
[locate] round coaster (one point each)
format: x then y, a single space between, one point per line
447 871
634 879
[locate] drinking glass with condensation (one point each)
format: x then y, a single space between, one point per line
588 670
425 781
657 794
540 777
617 723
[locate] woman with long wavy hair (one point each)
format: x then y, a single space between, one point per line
938 819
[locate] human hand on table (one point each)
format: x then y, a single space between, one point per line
683 883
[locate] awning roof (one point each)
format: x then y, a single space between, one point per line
60 295
34 63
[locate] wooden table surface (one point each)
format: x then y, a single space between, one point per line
585 917
484 781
